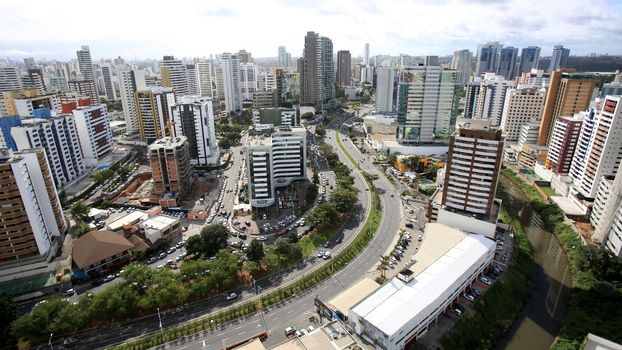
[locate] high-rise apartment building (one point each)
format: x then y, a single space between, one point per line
613 88
316 69
344 68
522 106
193 81
174 75
204 78
154 113
536 78
384 89
559 58
111 93
565 96
169 158
529 59
130 81
193 118
230 65
37 80
85 64
606 216
491 99
528 134
462 61
426 104
284 57
274 161
472 170
9 79
507 62
248 80
94 132
599 150
31 212
563 142
59 139
486 60
84 88
471 96
366 55
245 56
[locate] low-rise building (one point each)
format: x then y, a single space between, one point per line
98 252
275 117
160 227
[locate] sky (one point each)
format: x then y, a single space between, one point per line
137 29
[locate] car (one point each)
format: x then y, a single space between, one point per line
96 283
474 291
69 292
326 245
298 334
456 311
310 329
152 260
469 297
392 194
242 236
290 331
247 223
327 256
109 278
70 341
231 296
409 225
320 254
180 244
162 255
171 250
485 280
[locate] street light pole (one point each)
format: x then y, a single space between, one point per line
50 341
161 330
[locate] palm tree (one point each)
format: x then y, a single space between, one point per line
384 266
79 211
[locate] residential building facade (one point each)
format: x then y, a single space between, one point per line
563 142
384 89
522 106
169 158
193 118
154 113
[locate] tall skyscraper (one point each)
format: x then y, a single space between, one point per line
85 64
204 78
94 132
471 97
344 68
472 170
492 92
174 75
521 106
9 79
130 81
427 103
486 60
599 150
169 158
366 57
219 92
230 65
154 112
58 137
384 89
284 58
194 118
31 210
109 89
566 95
563 143
193 82
462 61
507 62
529 59
248 80
316 69
559 58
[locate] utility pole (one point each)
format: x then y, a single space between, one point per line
161 330
50 341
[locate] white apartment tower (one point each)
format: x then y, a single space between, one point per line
462 61
94 132
599 150
193 117
606 214
58 137
193 81
130 81
174 75
248 80
521 107
231 82
85 64
384 89
491 99
274 161
9 79
204 78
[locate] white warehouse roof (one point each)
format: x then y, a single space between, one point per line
391 306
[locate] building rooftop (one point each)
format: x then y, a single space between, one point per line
351 296
159 222
444 256
168 142
129 219
96 246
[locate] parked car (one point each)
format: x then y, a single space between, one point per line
409 225
152 260
261 238
485 280
469 297
231 296
69 292
290 331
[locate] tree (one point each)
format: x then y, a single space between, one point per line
344 199
293 237
324 215
195 245
80 212
316 178
214 238
224 144
307 115
411 162
384 266
392 157
8 313
255 251
320 130
365 99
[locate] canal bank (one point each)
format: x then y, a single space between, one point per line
541 318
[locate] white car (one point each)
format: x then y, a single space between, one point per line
231 296
485 280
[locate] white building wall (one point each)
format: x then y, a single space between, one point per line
521 106
94 132
231 82
384 90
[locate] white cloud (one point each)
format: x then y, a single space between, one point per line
188 28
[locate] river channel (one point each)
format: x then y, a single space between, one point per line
539 321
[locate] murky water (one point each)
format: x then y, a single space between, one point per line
540 319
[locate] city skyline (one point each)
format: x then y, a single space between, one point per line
393 27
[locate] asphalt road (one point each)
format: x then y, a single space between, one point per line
278 317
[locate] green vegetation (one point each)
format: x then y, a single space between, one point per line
255 251
549 191
80 212
320 130
596 278
211 239
338 137
112 105
496 309
307 115
8 313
